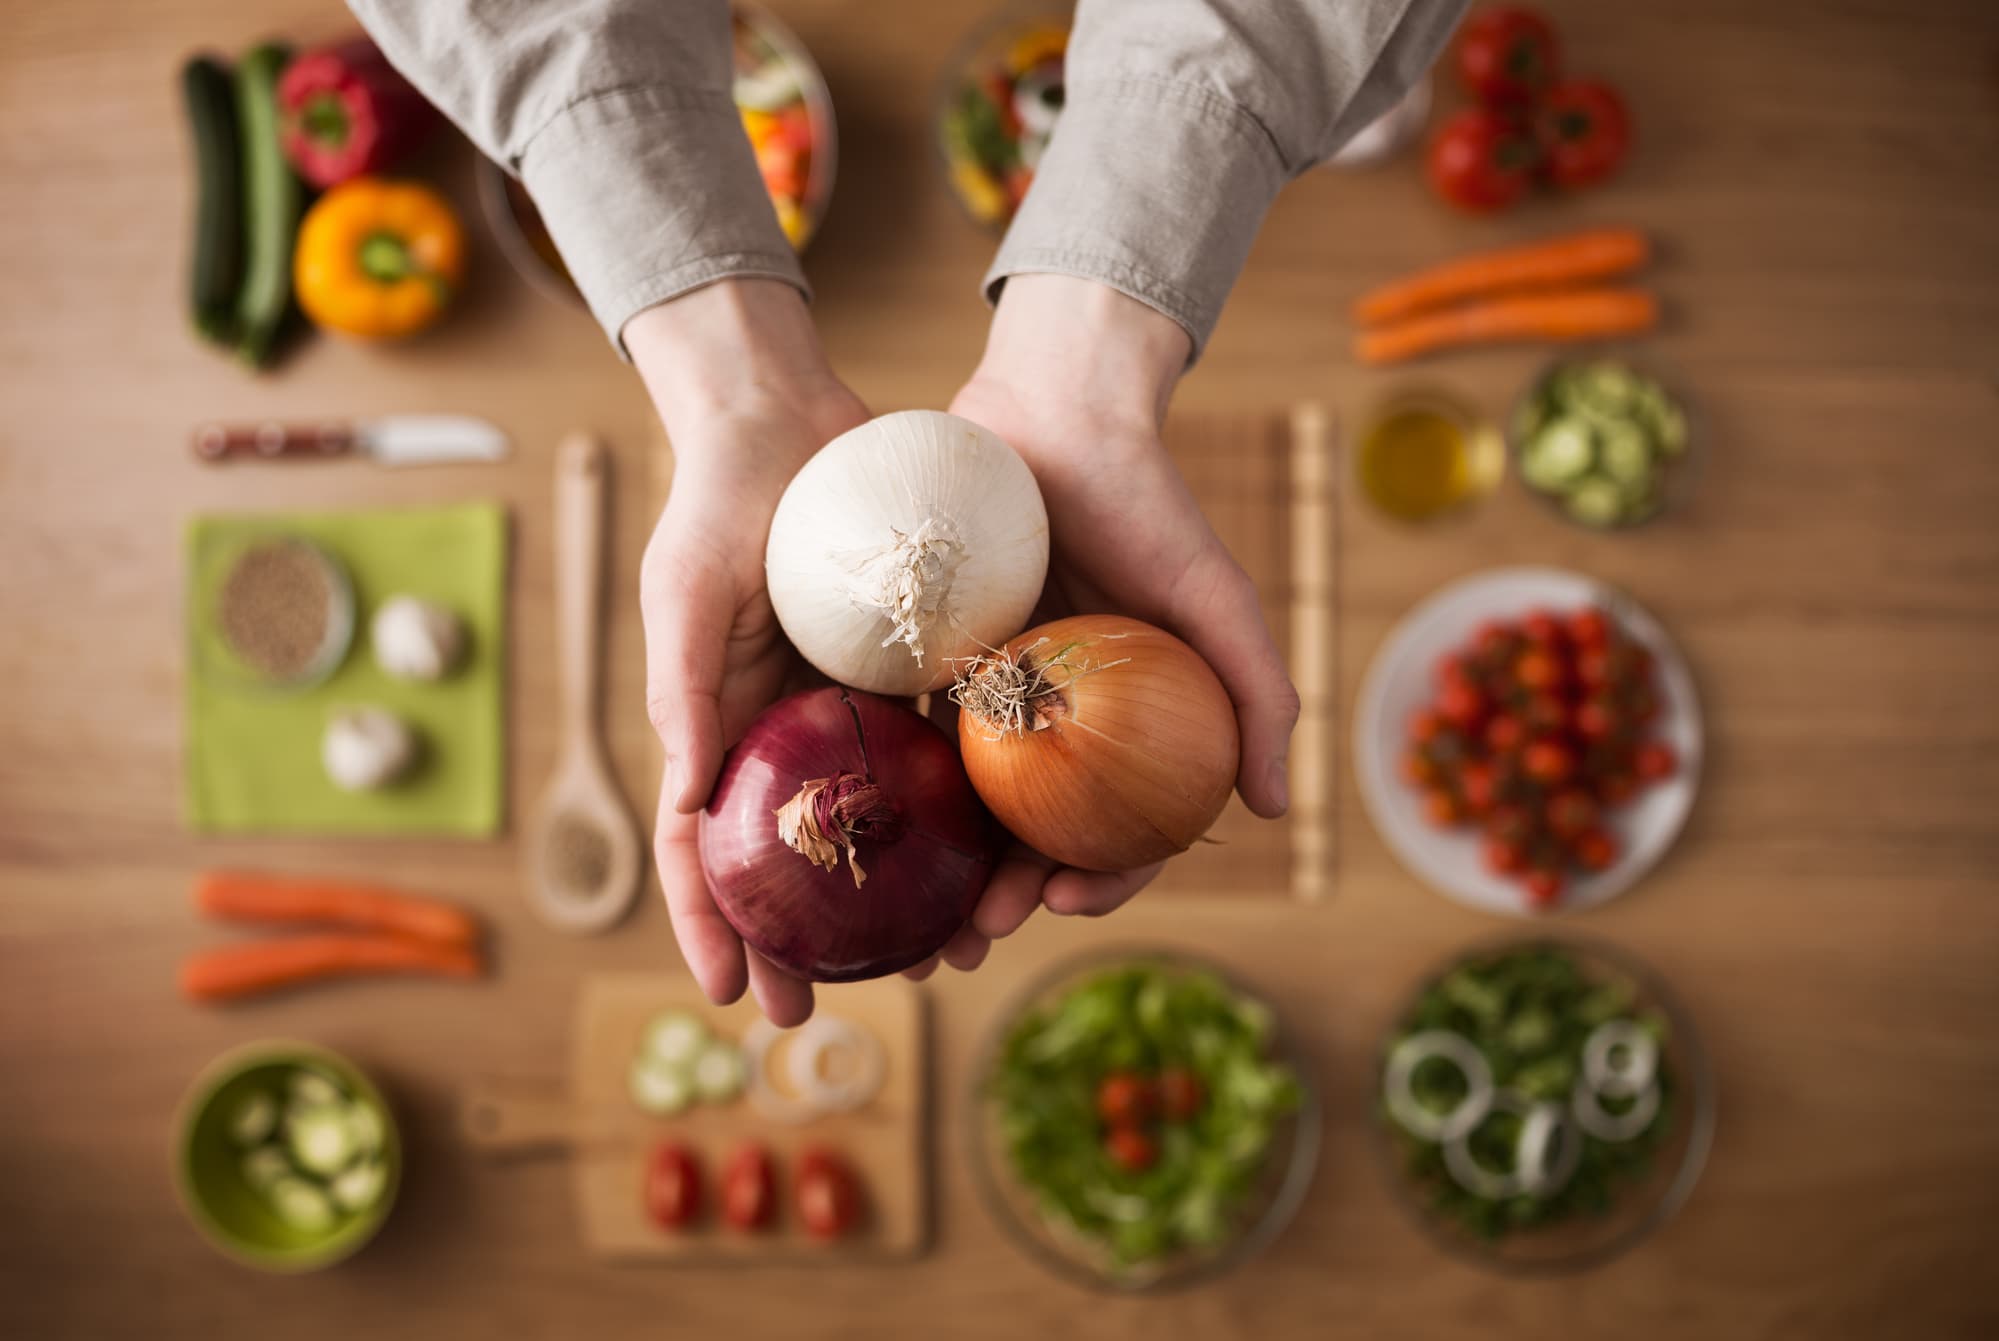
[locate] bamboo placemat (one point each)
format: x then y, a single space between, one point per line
1267 484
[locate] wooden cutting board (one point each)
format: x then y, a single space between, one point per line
608 1139
1267 483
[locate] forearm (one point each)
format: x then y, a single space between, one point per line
1081 342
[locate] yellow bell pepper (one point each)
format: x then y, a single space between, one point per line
378 259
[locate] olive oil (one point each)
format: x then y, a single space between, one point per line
1423 456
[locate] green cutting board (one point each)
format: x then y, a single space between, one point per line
253 752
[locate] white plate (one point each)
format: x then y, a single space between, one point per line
1399 682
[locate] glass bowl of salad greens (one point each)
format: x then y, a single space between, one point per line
1604 440
1138 1123
1001 96
1543 1105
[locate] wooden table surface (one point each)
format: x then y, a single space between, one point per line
1820 177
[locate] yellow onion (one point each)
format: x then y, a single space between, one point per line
1100 741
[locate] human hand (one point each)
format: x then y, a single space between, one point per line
1076 377
743 388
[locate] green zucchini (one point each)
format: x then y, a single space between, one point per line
271 202
1561 452
320 1140
302 1205
215 267
360 1187
253 1120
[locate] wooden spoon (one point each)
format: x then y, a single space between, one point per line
583 848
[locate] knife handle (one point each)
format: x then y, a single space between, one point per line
272 441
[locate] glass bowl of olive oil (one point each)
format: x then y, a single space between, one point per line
1424 454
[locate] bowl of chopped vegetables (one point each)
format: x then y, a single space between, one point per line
1138 1123
287 1158
1543 1105
1603 441
999 104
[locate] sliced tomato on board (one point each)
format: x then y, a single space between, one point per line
672 1186
827 1193
749 1188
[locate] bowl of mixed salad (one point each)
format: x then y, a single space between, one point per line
787 115
999 105
1543 1104
1138 1122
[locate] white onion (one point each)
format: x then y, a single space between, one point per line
1605 1125
825 1036
916 539
1426 1123
1628 1077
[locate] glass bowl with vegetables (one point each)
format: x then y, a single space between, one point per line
1604 441
287 1158
1001 97
1543 1104
1138 1122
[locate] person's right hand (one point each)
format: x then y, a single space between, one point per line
739 380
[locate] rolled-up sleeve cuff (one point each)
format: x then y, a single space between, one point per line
1153 187
650 192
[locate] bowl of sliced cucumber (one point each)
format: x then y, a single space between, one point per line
1603 440
287 1157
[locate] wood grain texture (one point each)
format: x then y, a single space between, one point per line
1819 176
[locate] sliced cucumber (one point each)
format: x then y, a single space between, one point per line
720 1072
1596 502
364 1124
1561 452
1608 387
302 1205
360 1187
253 1120
1626 454
311 1089
265 1166
1670 428
676 1037
1599 438
659 1089
321 1140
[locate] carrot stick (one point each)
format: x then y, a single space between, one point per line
237 896
1570 259
254 967
1566 314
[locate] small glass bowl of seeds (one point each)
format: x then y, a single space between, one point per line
275 611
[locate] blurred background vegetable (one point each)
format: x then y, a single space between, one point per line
379 260
344 111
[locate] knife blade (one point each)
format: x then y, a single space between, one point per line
395 440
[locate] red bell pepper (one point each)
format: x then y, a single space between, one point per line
345 112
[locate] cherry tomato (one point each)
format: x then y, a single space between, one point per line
1181 1094
1481 161
1131 1149
749 1188
1455 668
1544 713
1418 769
1616 788
1504 858
1544 886
1509 823
1584 130
827 1194
1542 628
1593 667
1589 627
1538 670
1496 644
1441 808
1642 704
1571 813
672 1186
1424 726
1507 54
1124 1098
1596 851
1479 785
1548 761
1462 705
1505 733
1656 760
1596 719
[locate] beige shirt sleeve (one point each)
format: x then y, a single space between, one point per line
1184 118
619 117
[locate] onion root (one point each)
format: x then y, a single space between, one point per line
1009 692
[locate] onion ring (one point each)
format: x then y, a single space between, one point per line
766 1098
1540 1120
1607 1126
1420 1121
816 1038
1634 1075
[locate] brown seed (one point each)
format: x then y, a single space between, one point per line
579 855
275 607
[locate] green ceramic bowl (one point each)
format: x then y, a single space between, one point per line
230 1213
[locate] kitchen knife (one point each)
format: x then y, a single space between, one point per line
398 440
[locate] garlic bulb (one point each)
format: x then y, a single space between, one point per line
915 540
416 639
366 748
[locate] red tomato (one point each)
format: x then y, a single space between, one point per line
749 1188
1417 768
1131 1149
1461 704
1616 788
1538 670
1424 725
1642 704
1505 733
1124 1098
1511 824
1455 668
672 1186
1504 858
1544 886
1545 713
1589 627
1596 851
1593 667
1479 785
1542 628
827 1194
1596 719
1481 161
1571 813
1507 54
1496 644
1656 760
1584 130
1181 1094
1441 808
1548 761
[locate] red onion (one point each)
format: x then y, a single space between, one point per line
835 777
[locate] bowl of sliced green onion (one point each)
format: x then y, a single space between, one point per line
1603 440
1543 1105
287 1158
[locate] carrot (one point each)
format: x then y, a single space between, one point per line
237 896
1575 257
1566 314
254 967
